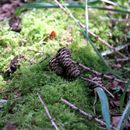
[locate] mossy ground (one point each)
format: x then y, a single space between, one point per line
26 111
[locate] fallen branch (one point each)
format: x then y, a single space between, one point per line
48 113
88 115
83 26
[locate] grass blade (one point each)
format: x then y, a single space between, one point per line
124 117
72 5
104 107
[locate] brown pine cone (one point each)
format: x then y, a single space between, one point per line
62 54
55 66
73 71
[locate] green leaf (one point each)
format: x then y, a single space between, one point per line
104 107
124 117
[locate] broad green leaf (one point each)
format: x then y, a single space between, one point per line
104 107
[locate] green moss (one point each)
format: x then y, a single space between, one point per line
26 110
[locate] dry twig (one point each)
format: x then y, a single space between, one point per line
99 74
88 115
48 113
123 60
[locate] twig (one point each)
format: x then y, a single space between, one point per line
100 74
82 26
98 84
47 112
123 60
118 48
88 115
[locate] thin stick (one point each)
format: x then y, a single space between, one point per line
82 26
100 74
117 49
48 113
97 84
123 60
88 115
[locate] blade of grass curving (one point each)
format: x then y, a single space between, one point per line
72 5
123 96
92 2
124 117
18 11
104 107
49 5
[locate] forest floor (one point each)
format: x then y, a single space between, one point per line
43 32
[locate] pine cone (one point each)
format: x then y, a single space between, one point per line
55 66
73 71
66 62
62 54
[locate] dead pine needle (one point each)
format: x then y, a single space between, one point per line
48 113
